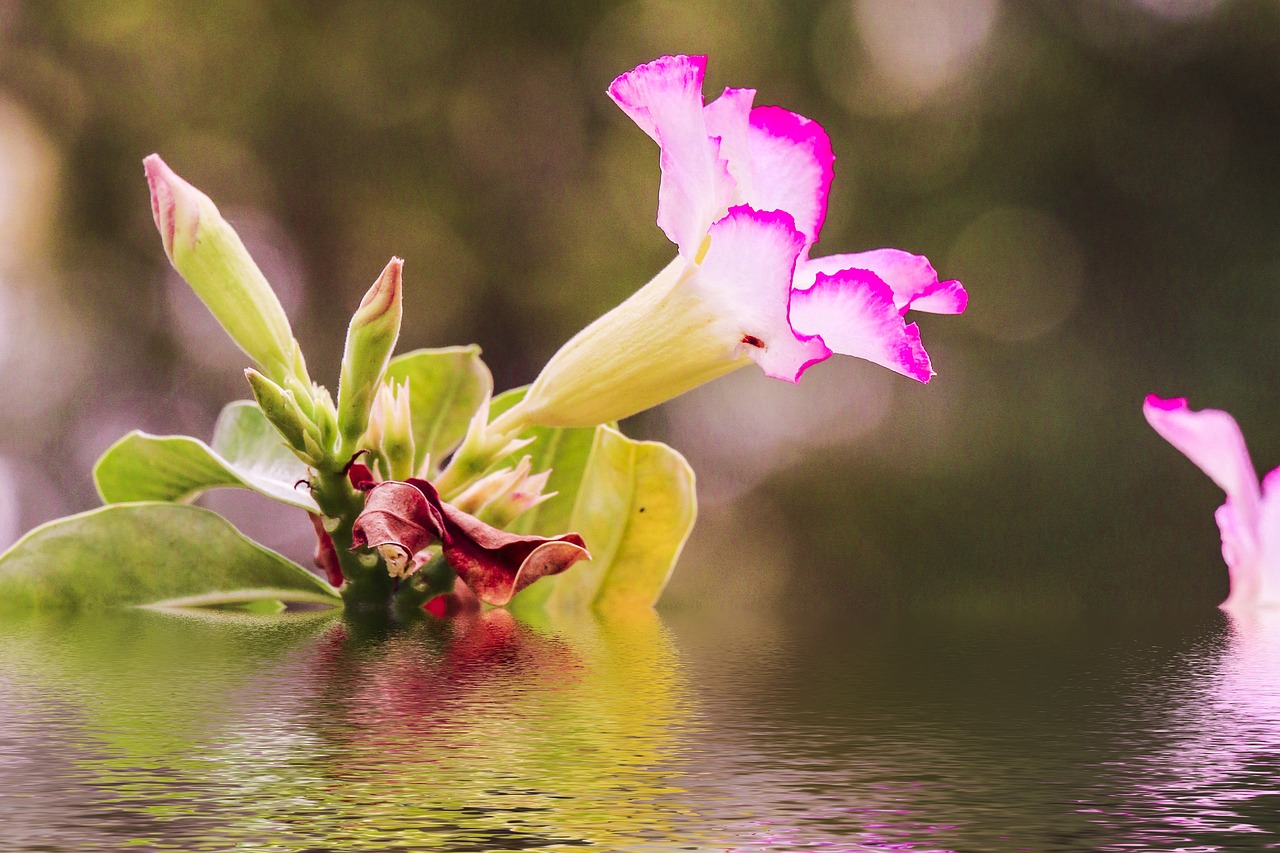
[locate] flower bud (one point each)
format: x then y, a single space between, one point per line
207 252
482 449
282 410
390 432
501 497
370 339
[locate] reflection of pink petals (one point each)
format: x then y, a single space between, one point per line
853 312
1249 521
495 564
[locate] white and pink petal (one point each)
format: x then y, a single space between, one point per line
791 168
1212 440
746 276
664 98
912 278
853 312
728 119
1265 581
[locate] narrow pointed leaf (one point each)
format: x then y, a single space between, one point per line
247 452
151 554
446 387
635 509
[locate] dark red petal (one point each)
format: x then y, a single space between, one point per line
361 477
494 563
397 514
326 555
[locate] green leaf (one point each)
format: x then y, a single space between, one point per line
247 452
635 509
446 387
157 554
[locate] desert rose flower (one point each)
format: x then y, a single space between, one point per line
1249 521
743 196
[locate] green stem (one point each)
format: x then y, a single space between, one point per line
367 587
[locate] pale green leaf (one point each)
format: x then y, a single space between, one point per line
635 509
155 554
247 452
446 387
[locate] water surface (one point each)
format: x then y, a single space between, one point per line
149 731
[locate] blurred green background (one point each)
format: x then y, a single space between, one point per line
1102 174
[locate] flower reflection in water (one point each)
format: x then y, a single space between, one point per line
1213 781
492 732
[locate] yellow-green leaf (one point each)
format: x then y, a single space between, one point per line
635 508
446 387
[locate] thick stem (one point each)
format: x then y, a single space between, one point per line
368 585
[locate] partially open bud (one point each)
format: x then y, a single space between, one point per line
527 494
282 410
482 449
207 252
499 498
390 432
370 339
399 563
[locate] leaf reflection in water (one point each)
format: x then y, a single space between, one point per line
477 733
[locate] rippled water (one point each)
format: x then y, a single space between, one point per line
147 731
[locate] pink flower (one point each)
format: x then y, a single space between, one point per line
1250 519
743 196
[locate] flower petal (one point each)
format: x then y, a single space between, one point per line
1211 439
728 119
664 98
913 279
397 514
747 275
791 168
460 600
494 563
326 556
1261 586
854 313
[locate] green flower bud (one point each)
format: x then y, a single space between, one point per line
390 432
207 252
370 339
281 409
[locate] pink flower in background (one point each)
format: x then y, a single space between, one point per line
743 196
1250 519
